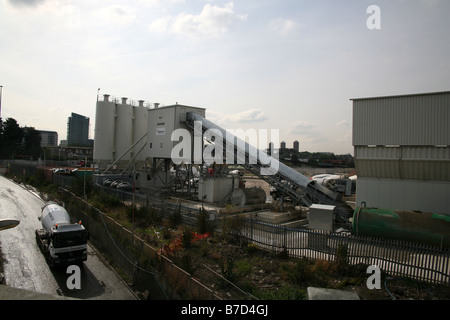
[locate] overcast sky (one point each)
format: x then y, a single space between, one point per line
272 64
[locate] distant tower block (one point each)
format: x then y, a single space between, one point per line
283 145
296 146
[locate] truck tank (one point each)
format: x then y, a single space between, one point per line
418 227
53 214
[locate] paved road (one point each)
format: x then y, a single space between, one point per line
25 266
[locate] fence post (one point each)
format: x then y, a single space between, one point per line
251 229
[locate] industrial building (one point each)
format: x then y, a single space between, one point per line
402 152
162 122
48 138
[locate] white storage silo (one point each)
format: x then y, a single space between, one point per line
119 130
140 123
104 132
123 133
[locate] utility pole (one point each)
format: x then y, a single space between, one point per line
1 91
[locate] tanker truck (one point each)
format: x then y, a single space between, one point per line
61 242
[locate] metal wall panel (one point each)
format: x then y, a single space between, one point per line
404 195
162 122
415 120
398 169
405 153
415 163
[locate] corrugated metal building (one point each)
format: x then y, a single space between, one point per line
402 151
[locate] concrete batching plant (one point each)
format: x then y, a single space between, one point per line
138 139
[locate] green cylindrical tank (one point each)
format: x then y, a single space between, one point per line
419 227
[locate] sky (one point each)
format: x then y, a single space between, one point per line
287 65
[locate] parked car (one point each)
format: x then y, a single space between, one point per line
108 182
125 186
116 183
61 171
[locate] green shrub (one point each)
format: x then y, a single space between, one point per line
243 268
174 219
288 292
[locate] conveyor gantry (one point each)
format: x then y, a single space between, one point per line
286 180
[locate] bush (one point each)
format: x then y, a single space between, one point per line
143 216
227 267
104 201
230 228
202 221
288 292
81 186
174 219
341 263
186 239
300 273
243 268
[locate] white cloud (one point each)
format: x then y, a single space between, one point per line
117 14
307 132
157 3
343 124
282 26
248 116
159 25
301 126
212 22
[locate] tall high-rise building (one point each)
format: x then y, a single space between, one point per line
296 146
78 130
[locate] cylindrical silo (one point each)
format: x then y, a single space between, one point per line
248 196
140 123
123 134
104 133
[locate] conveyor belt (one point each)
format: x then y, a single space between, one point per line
286 180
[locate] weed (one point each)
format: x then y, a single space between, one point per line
341 263
174 219
243 268
186 239
287 292
251 248
227 267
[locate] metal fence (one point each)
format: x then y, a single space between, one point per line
143 265
164 207
395 257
